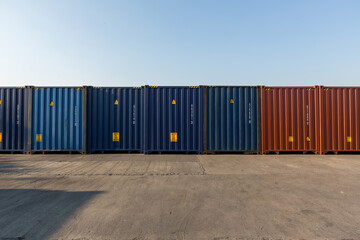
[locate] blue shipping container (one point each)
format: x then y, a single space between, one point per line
14 119
231 119
173 119
114 119
57 119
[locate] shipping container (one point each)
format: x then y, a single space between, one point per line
339 118
58 120
114 119
173 119
231 119
289 119
14 114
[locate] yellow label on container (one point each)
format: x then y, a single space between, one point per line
51 103
173 137
0 137
173 101
38 137
115 136
231 100
348 139
291 139
308 139
116 102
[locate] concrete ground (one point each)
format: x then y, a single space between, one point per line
179 197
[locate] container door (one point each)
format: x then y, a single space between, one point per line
173 119
114 119
289 119
340 116
57 119
13 118
231 123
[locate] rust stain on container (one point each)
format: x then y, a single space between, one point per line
289 119
339 118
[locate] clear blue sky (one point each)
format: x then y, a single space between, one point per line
132 43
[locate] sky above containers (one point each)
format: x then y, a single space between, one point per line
132 43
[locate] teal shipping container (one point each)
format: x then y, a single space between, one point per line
58 119
231 119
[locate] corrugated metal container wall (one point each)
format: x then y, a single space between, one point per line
57 119
114 119
173 119
14 119
231 119
289 118
339 117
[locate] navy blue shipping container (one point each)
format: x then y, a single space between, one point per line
58 117
114 119
14 119
173 119
231 119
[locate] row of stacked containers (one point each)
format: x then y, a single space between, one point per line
156 119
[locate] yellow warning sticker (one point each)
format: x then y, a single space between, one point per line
308 139
115 136
38 137
173 137
0 137
291 139
116 102
173 101
231 101
348 139
51 103
0 102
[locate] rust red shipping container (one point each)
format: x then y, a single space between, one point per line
339 118
310 119
289 119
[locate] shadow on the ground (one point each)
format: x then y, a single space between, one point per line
9 166
37 214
